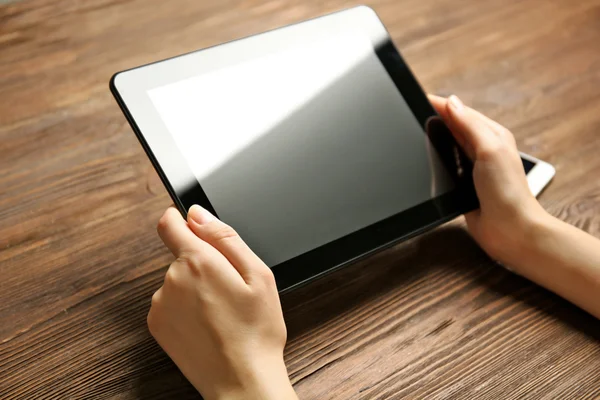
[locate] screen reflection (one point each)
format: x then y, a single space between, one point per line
300 148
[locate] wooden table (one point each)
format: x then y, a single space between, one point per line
432 318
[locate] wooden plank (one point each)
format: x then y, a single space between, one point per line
431 318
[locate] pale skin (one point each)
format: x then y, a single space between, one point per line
218 314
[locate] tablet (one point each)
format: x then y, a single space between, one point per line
314 141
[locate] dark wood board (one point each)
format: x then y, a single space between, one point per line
430 318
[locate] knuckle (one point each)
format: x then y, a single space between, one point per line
194 260
223 232
162 224
511 139
163 221
506 134
156 299
171 277
489 151
152 321
266 275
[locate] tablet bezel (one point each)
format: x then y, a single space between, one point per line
130 89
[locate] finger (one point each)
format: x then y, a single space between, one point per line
495 126
226 240
195 257
441 106
478 135
439 103
175 233
500 131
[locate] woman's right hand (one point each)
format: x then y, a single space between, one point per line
508 211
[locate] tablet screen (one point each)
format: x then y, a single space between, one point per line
301 147
528 165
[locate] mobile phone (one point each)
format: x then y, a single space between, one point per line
539 173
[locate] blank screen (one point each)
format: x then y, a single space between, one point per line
298 148
528 165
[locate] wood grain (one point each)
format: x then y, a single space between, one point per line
432 318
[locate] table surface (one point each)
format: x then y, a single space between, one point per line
431 318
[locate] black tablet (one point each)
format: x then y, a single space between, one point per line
314 141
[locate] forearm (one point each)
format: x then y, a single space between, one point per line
562 259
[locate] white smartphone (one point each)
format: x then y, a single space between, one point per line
539 173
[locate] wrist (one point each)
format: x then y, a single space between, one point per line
265 390
264 381
534 227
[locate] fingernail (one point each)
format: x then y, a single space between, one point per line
456 103
199 215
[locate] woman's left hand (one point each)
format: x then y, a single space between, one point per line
218 314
